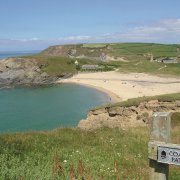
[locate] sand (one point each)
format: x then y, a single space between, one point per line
121 86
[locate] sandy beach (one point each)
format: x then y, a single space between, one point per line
121 86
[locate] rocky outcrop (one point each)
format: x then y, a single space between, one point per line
82 52
21 71
123 117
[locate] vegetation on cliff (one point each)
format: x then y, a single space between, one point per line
136 101
126 57
130 51
54 65
135 112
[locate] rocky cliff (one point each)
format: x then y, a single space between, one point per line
81 51
123 117
18 71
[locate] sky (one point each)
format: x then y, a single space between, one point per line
36 24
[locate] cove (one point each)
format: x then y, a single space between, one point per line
46 108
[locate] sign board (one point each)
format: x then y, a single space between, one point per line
169 154
161 152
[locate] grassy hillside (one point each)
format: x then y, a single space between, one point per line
55 60
139 49
72 153
136 56
145 66
54 65
131 51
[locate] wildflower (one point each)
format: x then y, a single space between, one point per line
139 155
65 161
118 154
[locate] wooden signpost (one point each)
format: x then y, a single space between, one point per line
161 152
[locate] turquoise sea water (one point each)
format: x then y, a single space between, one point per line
44 108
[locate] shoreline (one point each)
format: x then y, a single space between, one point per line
113 97
121 86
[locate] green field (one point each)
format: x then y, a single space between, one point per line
158 50
135 54
144 66
131 51
94 45
136 51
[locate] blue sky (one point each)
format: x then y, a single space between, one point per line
36 24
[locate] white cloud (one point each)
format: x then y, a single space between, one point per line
75 38
167 31
26 40
164 31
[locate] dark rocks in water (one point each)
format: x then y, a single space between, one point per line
24 71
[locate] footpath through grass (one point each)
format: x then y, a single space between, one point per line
68 153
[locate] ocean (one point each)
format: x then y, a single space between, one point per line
46 108
5 54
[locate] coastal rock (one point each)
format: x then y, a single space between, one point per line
98 111
177 103
22 71
124 117
114 111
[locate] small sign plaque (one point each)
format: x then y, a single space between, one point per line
169 155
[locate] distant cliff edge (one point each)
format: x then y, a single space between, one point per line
128 116
26 71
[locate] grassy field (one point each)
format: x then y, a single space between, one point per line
132 52
135 54
66 153
94 45
144 66
57 65
72 153
158 50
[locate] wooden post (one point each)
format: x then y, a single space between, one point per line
160 133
